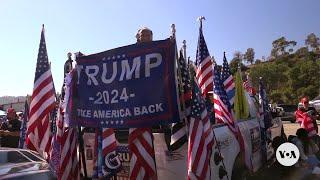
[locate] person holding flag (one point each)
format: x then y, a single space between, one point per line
142 159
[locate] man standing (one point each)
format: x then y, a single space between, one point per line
306 117
10 130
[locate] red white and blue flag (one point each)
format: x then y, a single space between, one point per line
142 159
223 113
228 81
201 138
178 130
203 65
41 105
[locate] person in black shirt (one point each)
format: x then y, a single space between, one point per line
10 130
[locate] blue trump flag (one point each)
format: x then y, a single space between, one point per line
130 86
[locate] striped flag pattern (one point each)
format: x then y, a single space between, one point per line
228 81
224 114
222 106
42 103
109 145
142 160
204 65
178 130
200 140
248 86
69 165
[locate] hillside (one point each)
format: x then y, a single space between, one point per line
289 77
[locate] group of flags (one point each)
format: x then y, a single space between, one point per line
60 145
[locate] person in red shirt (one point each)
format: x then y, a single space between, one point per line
306 117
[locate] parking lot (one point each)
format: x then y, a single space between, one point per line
291 128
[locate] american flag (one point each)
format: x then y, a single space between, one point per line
178 130
23 128
42 103
228 81
142 160
109 145
222 106
200 138
69 166
248 86
265 111
223 114
265 119
204 65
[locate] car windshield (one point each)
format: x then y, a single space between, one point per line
316 98
12 157
289 108
31 156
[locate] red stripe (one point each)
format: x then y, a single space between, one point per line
43 84
32 126
207 89
37 106
200 69
205 78
228 84
194 130
199 151
137 135
135 170
110 148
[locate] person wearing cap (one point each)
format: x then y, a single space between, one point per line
10 130
306 117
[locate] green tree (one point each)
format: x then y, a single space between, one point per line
312 41
304 79
249 55
279 47
236 60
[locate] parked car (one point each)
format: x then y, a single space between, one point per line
23 164
315 103
287 112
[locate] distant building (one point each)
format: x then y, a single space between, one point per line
17 106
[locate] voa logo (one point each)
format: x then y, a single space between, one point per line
287 154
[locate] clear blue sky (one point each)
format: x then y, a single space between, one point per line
95 26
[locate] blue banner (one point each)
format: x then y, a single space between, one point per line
131 86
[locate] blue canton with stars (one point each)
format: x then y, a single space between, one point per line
42 61
218 87
226 73
198 103
186 84
202 50
226 69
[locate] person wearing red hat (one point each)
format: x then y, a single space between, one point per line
10 130
306 117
